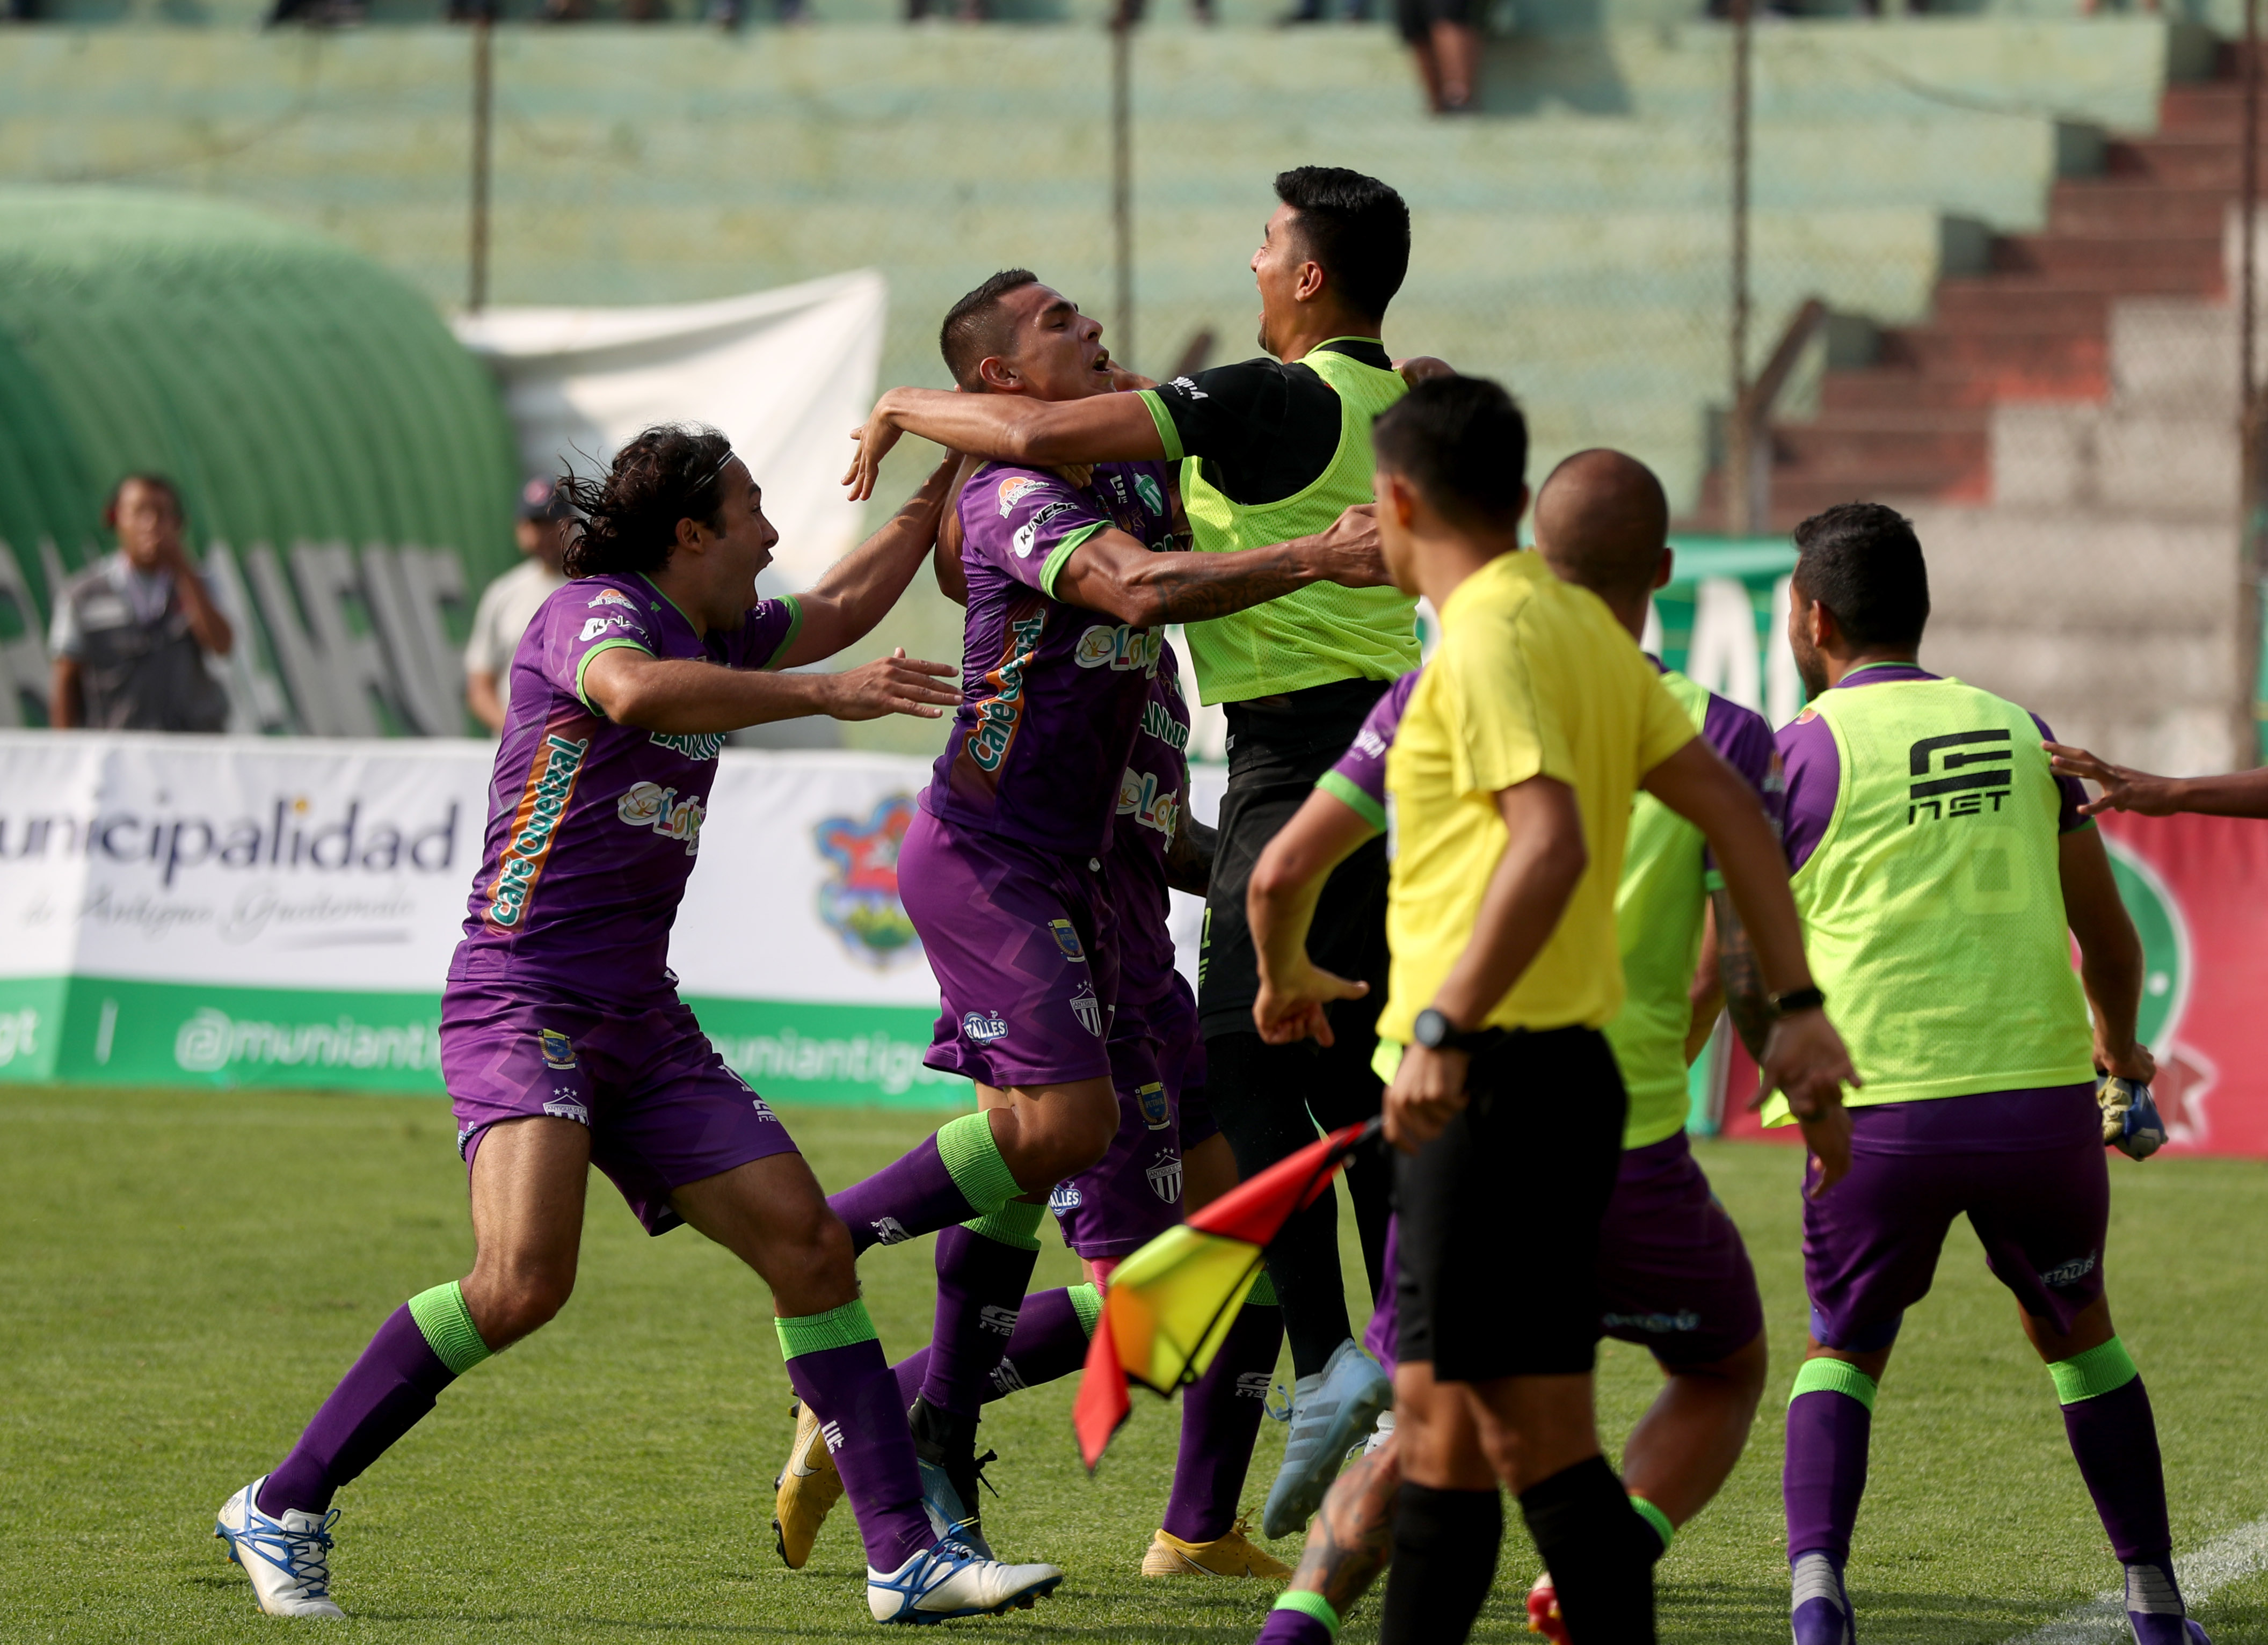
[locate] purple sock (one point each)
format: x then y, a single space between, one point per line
390 1387
980 1287
1826 1471
906 1198
850 1390
1221 1418
2115 1439
1287 1627
1051 1342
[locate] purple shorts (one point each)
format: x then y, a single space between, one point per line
1871 1243
1133 1194
662 1108
1673 1275
1024 950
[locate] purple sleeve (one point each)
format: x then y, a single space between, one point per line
1022 522
2070 793
1361 770
1742 739
1812 770
765 634
578 623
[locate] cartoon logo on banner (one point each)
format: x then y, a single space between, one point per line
2185 1076
859 899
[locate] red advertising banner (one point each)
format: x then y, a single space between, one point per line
2197 890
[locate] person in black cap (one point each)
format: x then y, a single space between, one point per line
509 603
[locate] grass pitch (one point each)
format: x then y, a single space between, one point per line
185 1275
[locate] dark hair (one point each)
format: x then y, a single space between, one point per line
142 477
1355 227
1863 562
1462 442
973 327
669 473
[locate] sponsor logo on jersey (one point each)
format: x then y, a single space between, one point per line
534 826
984 1026
889 1231
1012 489
765 1114
1153 494
1067 940
1943 789
859 899
1165 1175
2069 1273
1050 512
651 805
997 715
998 1320
566 1104
611 597
1064 1197
1138 797
1652 1325
1160 721
1188 388
558 1050
1122 650
697 745
593 627
1087 1009
1157 1108
1027 535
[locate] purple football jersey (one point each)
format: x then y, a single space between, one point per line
1360 776
593 826
1152 794
1052 693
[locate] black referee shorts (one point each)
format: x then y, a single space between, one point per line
1498 1251
1278 747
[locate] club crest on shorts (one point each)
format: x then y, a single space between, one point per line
1157 1109
859 899
1064 1197
558 1050
1165 1177
1067 939
984 1026
1087 1009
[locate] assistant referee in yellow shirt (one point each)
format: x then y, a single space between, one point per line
1512 777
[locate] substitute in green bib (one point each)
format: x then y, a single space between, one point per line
1942 870
1270 450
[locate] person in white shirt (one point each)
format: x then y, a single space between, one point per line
508 605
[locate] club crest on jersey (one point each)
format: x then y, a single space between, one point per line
558 1050
1165 1177
1012 489
1067 940
651 805
860 899
566 1104
1152 496
1087 1009
1157 1108
984 1026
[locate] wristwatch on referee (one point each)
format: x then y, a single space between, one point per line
1437 1032
1796 1000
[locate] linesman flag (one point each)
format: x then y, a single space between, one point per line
1168 1307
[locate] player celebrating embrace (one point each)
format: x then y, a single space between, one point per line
564 1042
1943 871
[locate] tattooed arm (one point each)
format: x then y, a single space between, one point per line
1189 855
1114 573
1729 979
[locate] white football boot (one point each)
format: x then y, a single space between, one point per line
289 1560
951 1580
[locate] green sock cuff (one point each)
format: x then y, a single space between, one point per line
972 1158
838 1328
1656 1517
1087 1302
2098 1371
1311 1605
441 1314
1263 1294
1015 1223
1833 1377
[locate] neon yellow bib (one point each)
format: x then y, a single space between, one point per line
1933 909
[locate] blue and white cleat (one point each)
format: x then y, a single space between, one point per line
289 1560
1332 1412
1819 1606
948 1515
952 1580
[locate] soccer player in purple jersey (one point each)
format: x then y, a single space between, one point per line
1002 871
1673 1273
564 1042
1944 872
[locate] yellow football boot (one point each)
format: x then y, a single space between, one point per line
809 1487
1233 1554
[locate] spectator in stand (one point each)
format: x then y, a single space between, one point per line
132 632
508 605
1448 45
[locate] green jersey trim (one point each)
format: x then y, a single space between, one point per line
1169 435
1061 553
794 630
697 629
1350 794
583 666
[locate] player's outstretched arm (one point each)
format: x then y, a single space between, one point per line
2237 794
1189 854
657 695
1279 902
1008 427
1118 573
1803 1054
2111 965
858 590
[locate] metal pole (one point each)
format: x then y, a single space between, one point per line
1739 465
483 96
1122 179
2248 419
